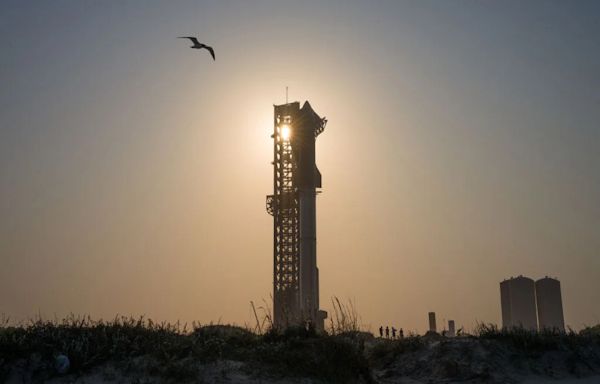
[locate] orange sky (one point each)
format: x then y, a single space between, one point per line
461 149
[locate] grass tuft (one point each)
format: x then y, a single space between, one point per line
172 352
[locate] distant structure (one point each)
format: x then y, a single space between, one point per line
549 304
293 207
432 324
451 329
517 297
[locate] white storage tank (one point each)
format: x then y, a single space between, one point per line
517 296
549 304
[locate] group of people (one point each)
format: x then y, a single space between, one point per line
387 332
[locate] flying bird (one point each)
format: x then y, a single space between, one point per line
199 45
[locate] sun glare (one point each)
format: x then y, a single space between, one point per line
285 132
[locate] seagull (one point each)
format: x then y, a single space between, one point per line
199 45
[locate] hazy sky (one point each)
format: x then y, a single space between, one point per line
463 147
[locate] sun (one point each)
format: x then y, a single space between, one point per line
285 132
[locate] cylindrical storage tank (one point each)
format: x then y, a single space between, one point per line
518 303
549 304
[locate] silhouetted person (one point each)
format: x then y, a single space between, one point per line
310 327
199 45
401 333
393 333
381 331
387 332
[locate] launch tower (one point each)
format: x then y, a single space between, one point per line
292 205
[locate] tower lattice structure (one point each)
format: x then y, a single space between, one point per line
292 205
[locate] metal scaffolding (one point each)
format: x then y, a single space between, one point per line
295 179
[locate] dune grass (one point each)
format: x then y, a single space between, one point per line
89 343
177 354
544 340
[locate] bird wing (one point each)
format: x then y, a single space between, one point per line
211 50
192 38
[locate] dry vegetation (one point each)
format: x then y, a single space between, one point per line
162 352
140 347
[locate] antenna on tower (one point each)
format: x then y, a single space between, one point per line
286 94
